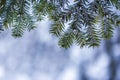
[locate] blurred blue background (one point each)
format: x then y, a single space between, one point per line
37 56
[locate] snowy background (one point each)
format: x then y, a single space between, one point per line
36 56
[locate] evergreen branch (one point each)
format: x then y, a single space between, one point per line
83 17
66 39
92 37
106 29
57 28
80 38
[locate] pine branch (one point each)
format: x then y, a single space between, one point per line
67 39
82 15
57 28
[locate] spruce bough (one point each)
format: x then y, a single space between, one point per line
89 21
